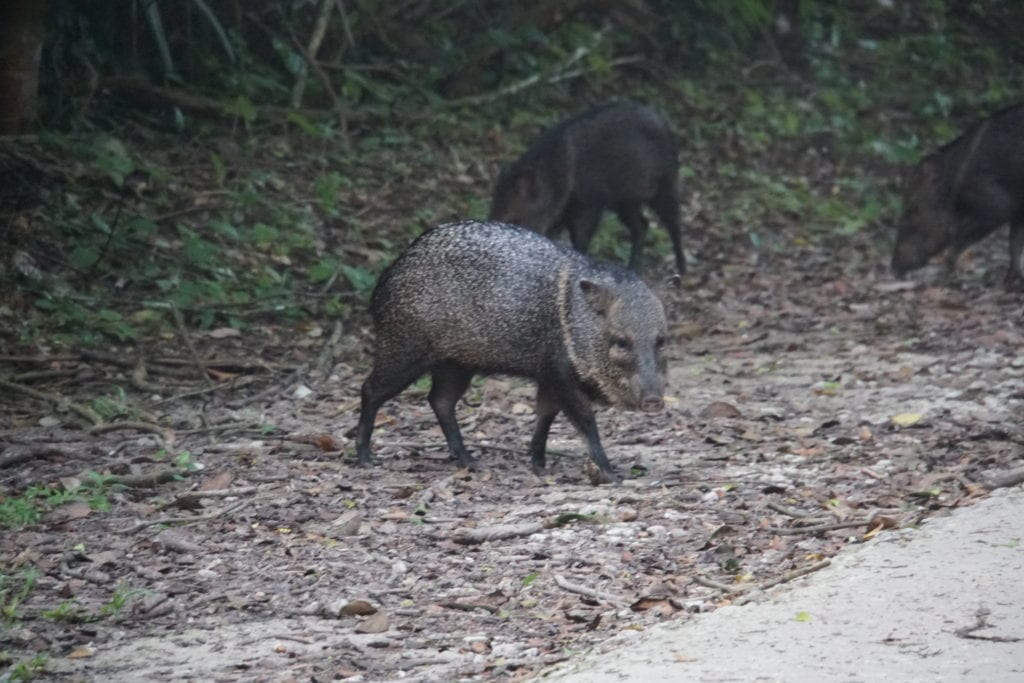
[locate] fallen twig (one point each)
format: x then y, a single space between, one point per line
186 521
1004 479
791 512
981 621
495 533
55 399
179 321
818 528
137 426
21 455
589 592
468 606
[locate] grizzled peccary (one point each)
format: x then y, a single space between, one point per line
619 157
962 192
481 297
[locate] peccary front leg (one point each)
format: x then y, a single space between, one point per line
577 408
449 382
387 379
1015 274
632 215
547 410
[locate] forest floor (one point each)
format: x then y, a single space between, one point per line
815 402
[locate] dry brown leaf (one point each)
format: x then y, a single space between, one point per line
375 623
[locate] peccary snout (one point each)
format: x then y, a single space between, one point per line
482 297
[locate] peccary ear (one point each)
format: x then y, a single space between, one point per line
597 295
674 281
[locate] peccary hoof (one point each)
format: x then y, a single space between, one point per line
365 461
598 476
466 460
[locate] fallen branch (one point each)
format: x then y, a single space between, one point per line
137 426
1004 479
819 528
55 399
179 321
981 621
788 511
146 480
186 521
761 587
589 592
495 533
468 606
21 455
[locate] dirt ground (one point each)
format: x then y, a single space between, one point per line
814 401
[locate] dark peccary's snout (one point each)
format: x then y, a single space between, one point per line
616 157
963 192
480 297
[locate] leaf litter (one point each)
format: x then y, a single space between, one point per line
813 405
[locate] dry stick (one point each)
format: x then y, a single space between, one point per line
43 374
818 528
495 533
717 585
146 480
179 320
1004 479
24 455
217 493
468 606
137 426
309 54
785 578
186 521
84 411
791 512
589 592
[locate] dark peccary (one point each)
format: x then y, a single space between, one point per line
964 191
618 157
482 297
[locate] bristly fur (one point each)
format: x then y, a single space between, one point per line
482 297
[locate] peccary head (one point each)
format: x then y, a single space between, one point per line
928 222
523 198
615 335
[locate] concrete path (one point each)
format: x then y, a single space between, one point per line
895 609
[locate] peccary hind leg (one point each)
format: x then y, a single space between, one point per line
387 379
666 205
448 383
632 215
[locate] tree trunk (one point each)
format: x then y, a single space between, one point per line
21 44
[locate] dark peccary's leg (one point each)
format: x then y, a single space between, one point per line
448 383
665 204
384 382
577 408
547 410
632 214
582 222
1015 275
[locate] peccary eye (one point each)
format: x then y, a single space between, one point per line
622 343
659 343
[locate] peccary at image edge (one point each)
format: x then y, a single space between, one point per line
481 297
616 157
963 192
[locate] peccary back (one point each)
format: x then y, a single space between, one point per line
480 297
963 192
616 157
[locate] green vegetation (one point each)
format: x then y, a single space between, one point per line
29 507
255 188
